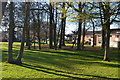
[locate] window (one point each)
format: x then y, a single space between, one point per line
110 35
117 36
99 35
99 42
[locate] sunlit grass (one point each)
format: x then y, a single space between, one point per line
50 63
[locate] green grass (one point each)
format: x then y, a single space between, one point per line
56 64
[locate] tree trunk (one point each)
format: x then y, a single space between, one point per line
79 36
103 37
39 43
51 28
55 43
107 29
93 33
19 57
38 31
79 29
107 37
28 31
46 37
34 39
103 29
83 38
11 29
34 30
64 24
28 37
61 34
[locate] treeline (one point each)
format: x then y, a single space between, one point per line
40 20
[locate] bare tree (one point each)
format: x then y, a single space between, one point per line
20 55
51 27
11 31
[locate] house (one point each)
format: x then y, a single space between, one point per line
114 38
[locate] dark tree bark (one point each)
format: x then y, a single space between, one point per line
46 33
28 31
83 38
79 29
64 24
20 55
55 41
107 37
11 31
103 29
107 30
93 33
34 30
39 43
61 34
51 28
79 36
38 32
34 38
103 37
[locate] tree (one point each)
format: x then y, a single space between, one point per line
20 55
28 29
93 33
103 29
11 31
64 23
39 29
108 13
51 27
55 26
80 21
83 37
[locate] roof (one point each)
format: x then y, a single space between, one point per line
116 32
91 32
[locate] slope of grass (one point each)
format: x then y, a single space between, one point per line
59 64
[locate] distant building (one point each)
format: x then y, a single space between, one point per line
114 38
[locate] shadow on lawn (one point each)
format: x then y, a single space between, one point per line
59 73
87 55
74 54
80 60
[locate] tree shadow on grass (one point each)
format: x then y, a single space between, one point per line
58 72
77 61
74 54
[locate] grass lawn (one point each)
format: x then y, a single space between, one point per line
59 64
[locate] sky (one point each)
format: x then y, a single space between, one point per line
73 27
70 26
